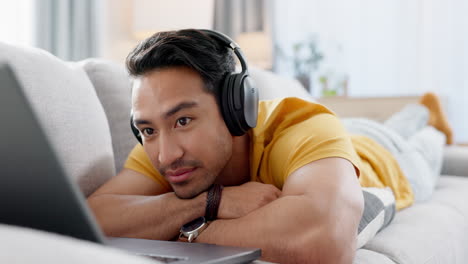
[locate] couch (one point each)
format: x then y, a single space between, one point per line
84 109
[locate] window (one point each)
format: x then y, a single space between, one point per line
17 22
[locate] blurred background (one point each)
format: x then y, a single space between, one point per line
346 48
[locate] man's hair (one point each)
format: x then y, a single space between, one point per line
190 48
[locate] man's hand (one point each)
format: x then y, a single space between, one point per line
238 201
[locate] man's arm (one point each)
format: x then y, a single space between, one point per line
314 221
133 205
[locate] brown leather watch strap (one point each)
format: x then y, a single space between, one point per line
213 200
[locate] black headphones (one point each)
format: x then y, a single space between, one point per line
238 95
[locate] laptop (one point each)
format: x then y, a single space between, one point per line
35 192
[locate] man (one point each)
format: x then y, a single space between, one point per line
291 183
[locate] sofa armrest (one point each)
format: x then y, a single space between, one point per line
455 161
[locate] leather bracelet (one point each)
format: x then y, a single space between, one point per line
213 200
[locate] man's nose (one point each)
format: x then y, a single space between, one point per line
169 150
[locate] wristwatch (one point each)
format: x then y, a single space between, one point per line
191 230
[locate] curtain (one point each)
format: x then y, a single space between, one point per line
67 28
235 17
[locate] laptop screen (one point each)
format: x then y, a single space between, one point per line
34 190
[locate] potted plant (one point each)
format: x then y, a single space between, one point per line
305 58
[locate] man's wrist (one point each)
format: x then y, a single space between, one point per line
213 200
190 231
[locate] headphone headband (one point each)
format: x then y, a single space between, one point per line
229 43
221 37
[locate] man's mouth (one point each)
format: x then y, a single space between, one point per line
179 175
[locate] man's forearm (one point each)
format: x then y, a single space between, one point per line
151 217
289 230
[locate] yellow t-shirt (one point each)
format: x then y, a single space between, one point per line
291 133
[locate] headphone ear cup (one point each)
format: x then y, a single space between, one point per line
245 102
227 104
250 96
239 103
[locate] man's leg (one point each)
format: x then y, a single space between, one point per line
415 117
409 120
430 143
426 130
410 154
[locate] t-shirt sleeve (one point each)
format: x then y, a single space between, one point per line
139 161
321 136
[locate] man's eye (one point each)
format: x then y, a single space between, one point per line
147 132
183 121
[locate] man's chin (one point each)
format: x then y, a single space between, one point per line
186 195
188 192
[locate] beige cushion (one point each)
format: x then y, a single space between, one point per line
67 107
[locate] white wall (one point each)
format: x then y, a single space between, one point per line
389 47
117 38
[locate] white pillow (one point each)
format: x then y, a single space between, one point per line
273 86
379 211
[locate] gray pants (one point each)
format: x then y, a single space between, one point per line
417 147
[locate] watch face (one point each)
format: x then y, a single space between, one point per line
193 225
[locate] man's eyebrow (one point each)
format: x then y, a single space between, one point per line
141 122
179 107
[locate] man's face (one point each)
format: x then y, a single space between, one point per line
182 129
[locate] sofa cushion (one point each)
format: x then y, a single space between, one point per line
68 109
24 245
113 88
364 256
430 232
